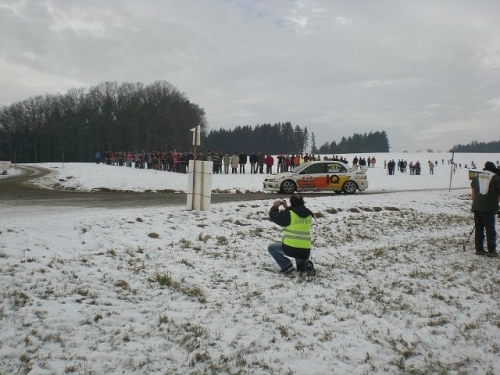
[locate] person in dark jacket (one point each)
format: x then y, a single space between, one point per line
243 161
253 163
296 243
485 194
261 158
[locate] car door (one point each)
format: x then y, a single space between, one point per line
313 177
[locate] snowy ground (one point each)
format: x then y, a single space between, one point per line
171 291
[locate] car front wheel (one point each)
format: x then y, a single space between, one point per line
288 187
349 187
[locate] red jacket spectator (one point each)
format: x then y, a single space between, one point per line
269 164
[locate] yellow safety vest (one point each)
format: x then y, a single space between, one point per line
298 233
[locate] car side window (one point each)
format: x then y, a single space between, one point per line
315 169
336 168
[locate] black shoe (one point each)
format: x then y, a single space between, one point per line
493 254
310 271
481 252
288 270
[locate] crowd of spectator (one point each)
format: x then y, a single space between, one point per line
178 161
416 168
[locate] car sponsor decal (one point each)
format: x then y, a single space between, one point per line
334 179
306 178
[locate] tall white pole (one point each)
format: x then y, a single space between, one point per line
452 167
195 142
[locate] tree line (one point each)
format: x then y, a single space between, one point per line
475 146
73 126
357 143
269 139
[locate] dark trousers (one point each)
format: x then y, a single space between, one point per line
485 222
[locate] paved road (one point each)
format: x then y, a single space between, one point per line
19 190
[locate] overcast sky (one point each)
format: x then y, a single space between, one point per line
427 72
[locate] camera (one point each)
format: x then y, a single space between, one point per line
283 202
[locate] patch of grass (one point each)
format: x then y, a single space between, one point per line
53 337
389 208
122 284
203 237
240 223
97 317
438 322
200 357
185 243
20 299
222 240
164 280
188 290
85 292
163 319
283 331
258 231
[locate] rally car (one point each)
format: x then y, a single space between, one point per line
322 175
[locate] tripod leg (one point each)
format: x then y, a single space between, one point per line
472 231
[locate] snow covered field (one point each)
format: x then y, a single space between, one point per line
166 290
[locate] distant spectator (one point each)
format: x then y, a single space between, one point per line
235 160
243 161
253 162
261 159
269 164
226 160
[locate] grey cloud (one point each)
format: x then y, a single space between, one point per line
426 72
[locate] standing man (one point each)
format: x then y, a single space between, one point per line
253 163
227 160
485 194
269 164
260 162
235 160
296 242
243 160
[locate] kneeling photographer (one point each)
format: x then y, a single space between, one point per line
485 195
296 220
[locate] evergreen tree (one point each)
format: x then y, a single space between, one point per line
73 126
475 146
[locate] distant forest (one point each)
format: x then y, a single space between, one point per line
371 142
475 146
277 138
71 127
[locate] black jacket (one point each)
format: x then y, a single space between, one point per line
283 219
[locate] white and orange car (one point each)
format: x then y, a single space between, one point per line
322 175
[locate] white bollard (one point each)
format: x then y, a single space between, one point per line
199 185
